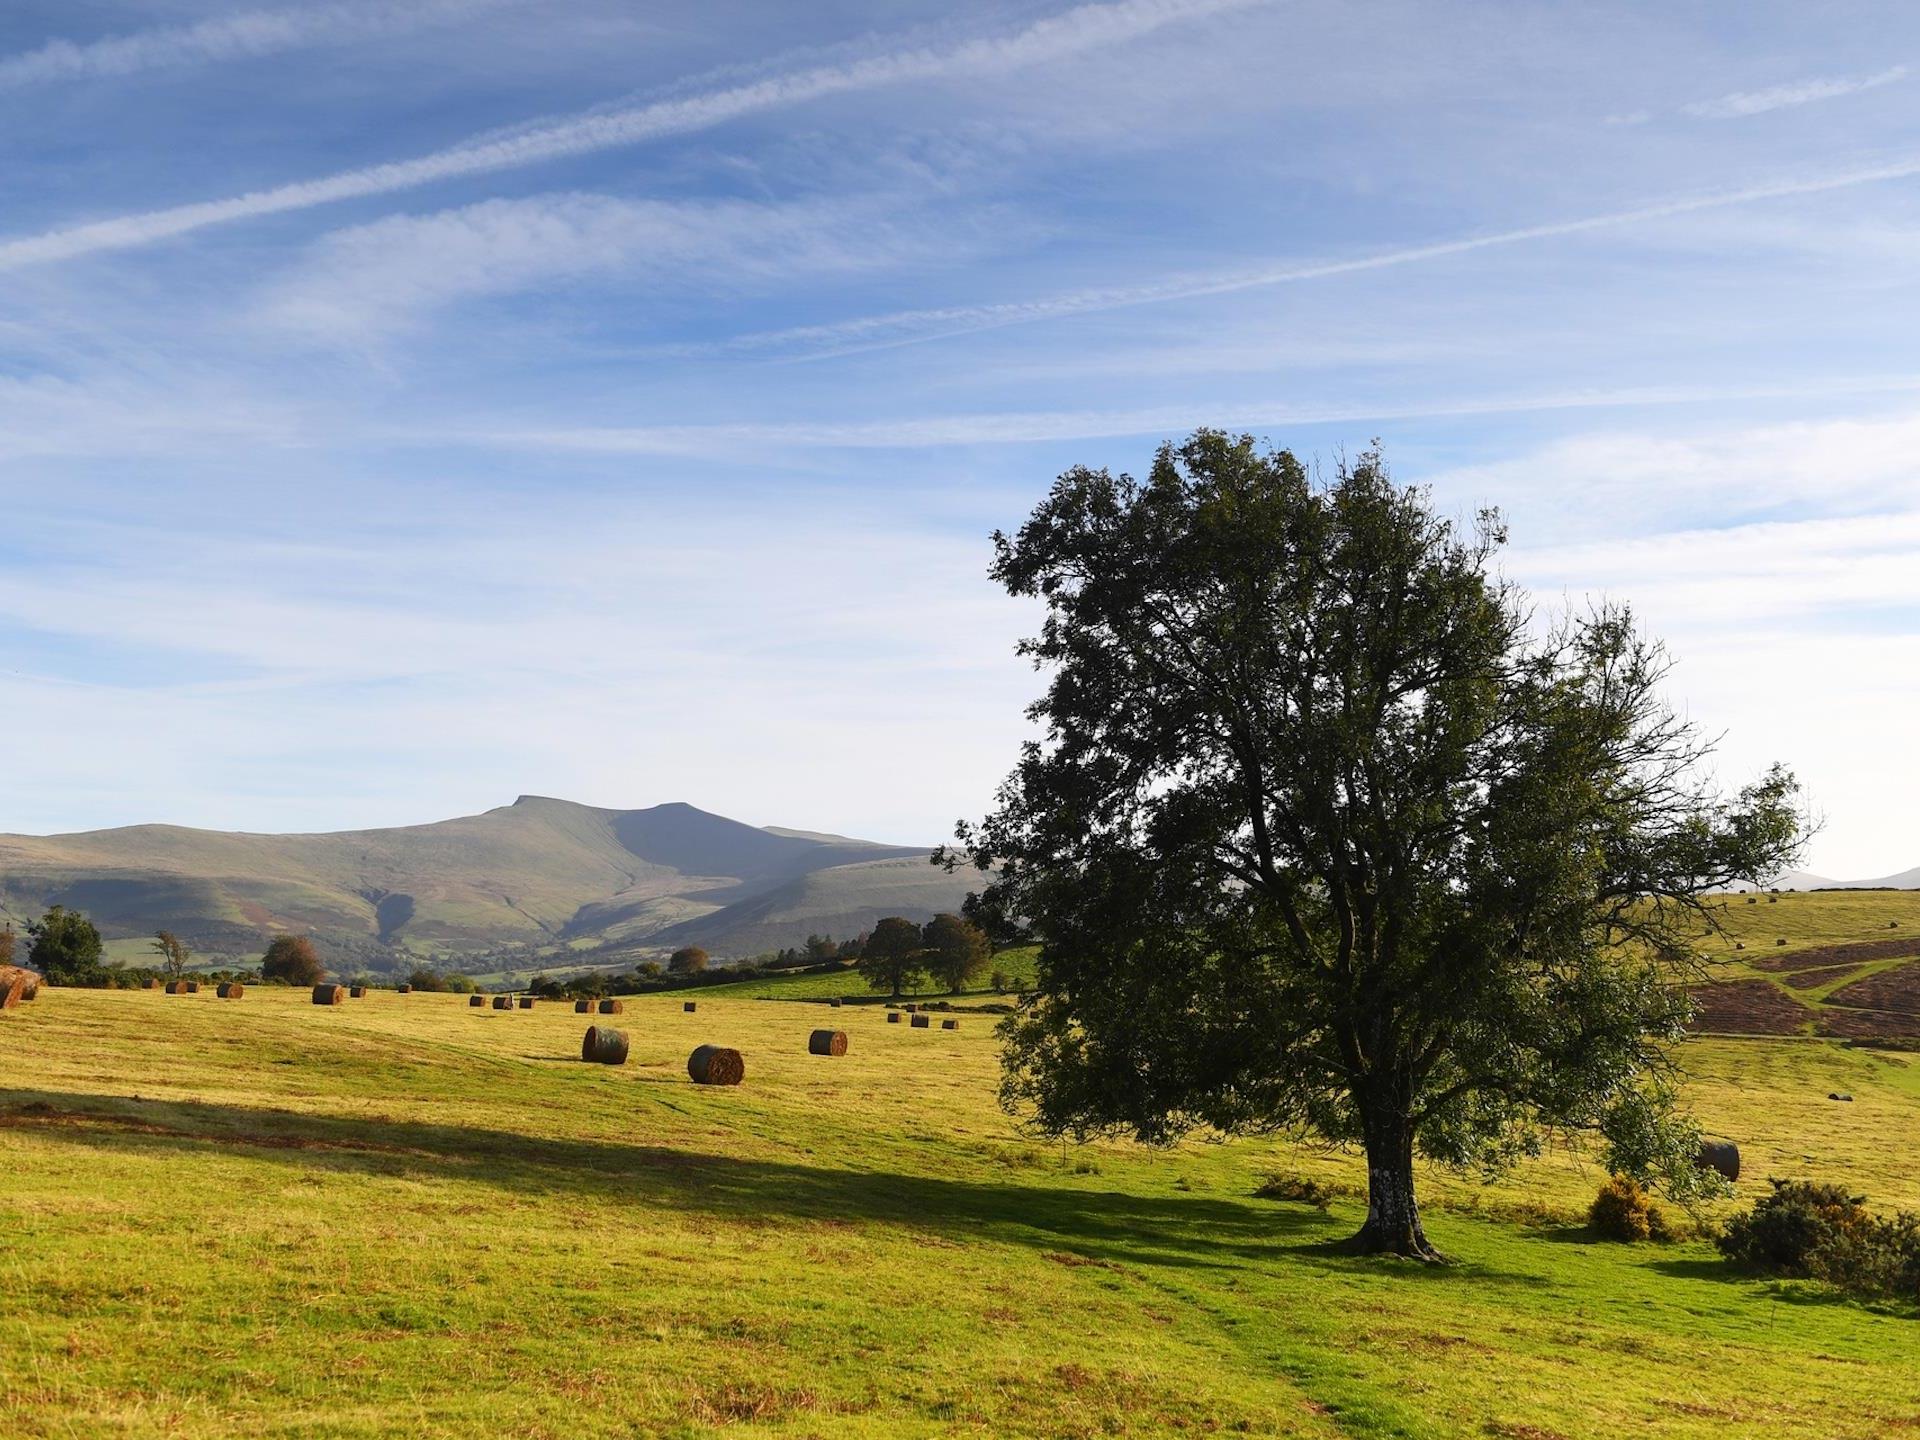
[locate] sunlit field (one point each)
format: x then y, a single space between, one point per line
406 1216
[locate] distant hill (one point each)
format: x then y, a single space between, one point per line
1804 880
539 871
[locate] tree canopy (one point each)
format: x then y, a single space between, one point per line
1327 833
894 955
957 950
65 947
173 952
687 960
293 959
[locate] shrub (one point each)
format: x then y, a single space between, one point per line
1300 1190
1623 1211
66 949
291 960
1815 1231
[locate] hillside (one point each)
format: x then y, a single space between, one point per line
448 1226
539 871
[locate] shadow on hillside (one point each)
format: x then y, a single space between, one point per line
1079 1225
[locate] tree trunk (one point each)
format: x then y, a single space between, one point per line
1393 1214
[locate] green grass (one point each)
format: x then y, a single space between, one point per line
405 1217
1017 964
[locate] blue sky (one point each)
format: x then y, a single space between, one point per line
406 405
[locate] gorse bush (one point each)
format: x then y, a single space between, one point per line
1625 1212
1814 1231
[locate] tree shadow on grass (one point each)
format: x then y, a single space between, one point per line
1080 1224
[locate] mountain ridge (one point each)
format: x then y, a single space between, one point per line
541 871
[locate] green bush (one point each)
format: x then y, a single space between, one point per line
1300 1190
1623 1211
1814 1231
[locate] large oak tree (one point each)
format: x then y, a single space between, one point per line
1328 834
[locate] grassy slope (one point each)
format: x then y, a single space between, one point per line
1827 917
406 1217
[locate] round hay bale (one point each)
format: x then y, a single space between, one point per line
329 994
893 1017
835 1003
1721 1155
477 1002
689 1007
176 987
503 1002
356 992
910 1009
1773 899
230 990
583 1007
920 1022
152 983
1739 944
604 1045
193 986
716 1065
12 991
949 1024
612 1007
827 1042
1753 899
1893 924
403 989
526 1002
1840 1095
1779 942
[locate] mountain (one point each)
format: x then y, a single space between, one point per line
538 871
1801 880
1807 880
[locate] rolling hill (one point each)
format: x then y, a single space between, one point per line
539 871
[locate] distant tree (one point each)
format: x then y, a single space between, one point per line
1327 834
850 949
820 948
422 977
173 953
292 959
957 950
65 948
894 956
459 982
687 960
649 969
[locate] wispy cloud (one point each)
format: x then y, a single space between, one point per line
911 327
1054 38
381 278
247 35
1783 97
1038 426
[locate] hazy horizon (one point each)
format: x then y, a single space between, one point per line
406 407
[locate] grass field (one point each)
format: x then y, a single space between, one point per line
406 1217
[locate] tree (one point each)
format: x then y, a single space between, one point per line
687 960
173 952
957 950
820 949
1326 836
894 955
291 958
423 977
65 948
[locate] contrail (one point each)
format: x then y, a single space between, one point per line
1070 32
917 327
247 35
